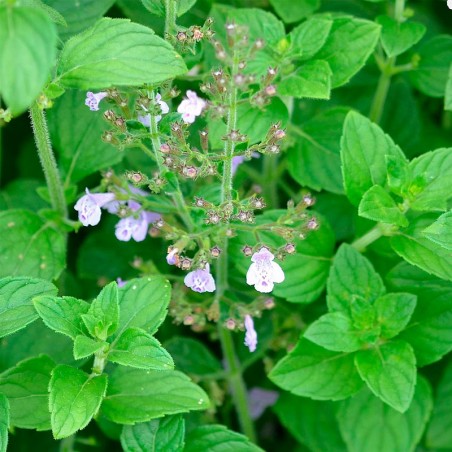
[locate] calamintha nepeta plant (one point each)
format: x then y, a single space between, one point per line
211 135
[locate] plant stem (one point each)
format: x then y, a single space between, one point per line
235 378
170 16
369 237
100 361
269 181
47 158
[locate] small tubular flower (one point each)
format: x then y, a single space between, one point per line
93 99
171 257
146 119
130 227
191 107
200 280
250 335
89 205
263 272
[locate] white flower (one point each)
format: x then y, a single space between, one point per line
146 119
263 272
191 107
250 335
93 99
449 4
200 280
131 227
89 206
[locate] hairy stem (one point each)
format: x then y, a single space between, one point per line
47 158
235 378
170 16
270 181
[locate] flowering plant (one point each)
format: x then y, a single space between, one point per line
221 220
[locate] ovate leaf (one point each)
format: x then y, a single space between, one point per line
430 75
363 149
350 42
16 305
312 371
217 438
158 435
369 425
136 348
398 37
75 398
390 372
26 386
334 331
85 346
351 275
29 246
291 11
136 395
28 41
378 205
62 314
117 52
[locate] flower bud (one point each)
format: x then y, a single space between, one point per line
247 251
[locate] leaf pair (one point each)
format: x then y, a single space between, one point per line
353 342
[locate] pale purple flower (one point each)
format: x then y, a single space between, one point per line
131 227
171 258
93 99
259 399
191 107
146 119
200 280
263 272
121 282
250 335
89 205
239 159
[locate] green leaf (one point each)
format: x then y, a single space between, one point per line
390 372
79 15
21 194
74 130
85 346
26 385
102 319
136 348
394 311
28 41
4 423
311 371
192 356
378 205
16 306
422 252
75 397
369 425
430 175
30 247
398 174
334 331
291 11
364 147
351 275
350 42
309 37
311 422
448 96
430 75
430 329
143 304
158 6
217 438
398 37
439 433
62 314
440 232
135 395
312 80
314 161
117 52
159 435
